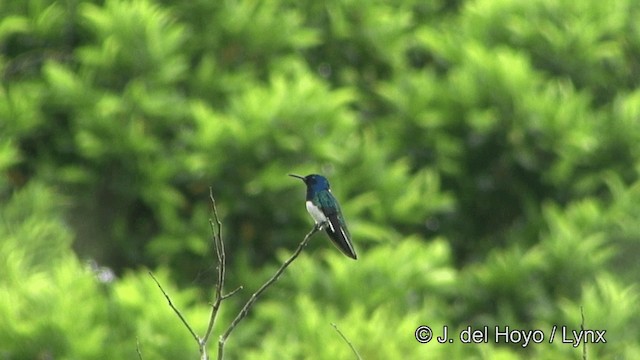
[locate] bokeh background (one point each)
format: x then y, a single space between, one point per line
485 152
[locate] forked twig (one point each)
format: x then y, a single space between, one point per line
218 244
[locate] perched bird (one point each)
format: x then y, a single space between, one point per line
325 210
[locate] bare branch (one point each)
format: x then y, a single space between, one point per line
216 231
184 321
347 341
245 310
218 244
216 226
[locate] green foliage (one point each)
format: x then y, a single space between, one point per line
486 154
43 283
52 305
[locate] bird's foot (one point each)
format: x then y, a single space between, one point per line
320 226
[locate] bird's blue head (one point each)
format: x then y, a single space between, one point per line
314 182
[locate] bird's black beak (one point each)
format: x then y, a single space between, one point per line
299 177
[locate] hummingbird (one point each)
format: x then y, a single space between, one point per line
325 211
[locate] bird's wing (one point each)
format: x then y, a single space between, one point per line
337 226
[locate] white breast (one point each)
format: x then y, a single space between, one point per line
316 213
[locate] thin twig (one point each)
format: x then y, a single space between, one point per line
347 341
245 310
138 349
584 343
184 321
233 292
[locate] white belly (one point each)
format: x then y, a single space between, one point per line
316 213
